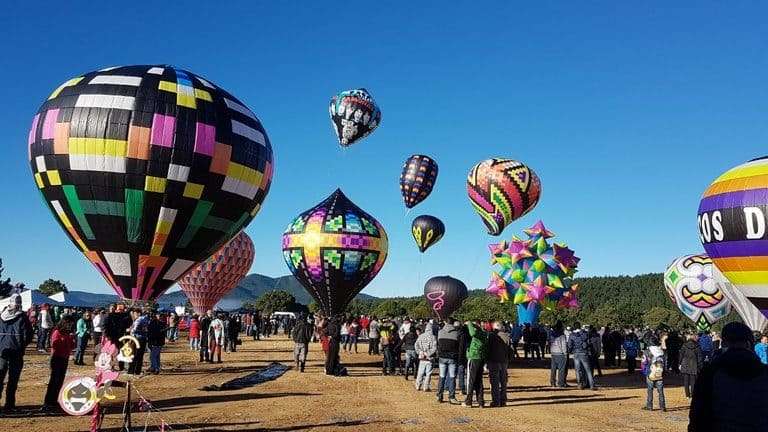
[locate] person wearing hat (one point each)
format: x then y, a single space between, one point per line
731 392
15 335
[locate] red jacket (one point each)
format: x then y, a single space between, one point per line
62 344
194 328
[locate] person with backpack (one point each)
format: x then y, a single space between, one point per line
653 368
580 348
691 360
631 351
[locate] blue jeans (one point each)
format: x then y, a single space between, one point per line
411 361
461 377
447 378
583 370
154 358
424 375
558 370
659 385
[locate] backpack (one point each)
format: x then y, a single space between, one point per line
656 371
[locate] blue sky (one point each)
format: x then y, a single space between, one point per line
626 111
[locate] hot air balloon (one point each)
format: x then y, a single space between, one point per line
417 179
427 230
210 281
444 295
732 228
149 170
691 280
751 315
335 249
502 190
354 115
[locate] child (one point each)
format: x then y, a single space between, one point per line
62 344
653 368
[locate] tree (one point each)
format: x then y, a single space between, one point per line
50 287
389 308
6 287
659 316
276 301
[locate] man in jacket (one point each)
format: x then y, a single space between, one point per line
558 348
373 337
156 331
731 392
387 333
15 334
476 355
408 343
691 360
426 349
447 357
302 334
498 360
205 326
333 332
579 347
139 330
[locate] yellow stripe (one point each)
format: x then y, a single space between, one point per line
167 86
65 220
741 172
53 177
156 250
98 146
154 184
69 83
244 174
163 227
202 94
39 180
747 277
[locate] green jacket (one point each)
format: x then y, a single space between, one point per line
82 327
478 345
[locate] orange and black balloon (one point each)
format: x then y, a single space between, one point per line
418 178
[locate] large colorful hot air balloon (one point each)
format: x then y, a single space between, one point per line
751 315
335 249
502 190
732 228
210 281
354 115
534 273
427 230
691 281
149 170
417 179
444 295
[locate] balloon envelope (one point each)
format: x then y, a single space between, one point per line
149 170
335 249
502 190
417 179
692 282
212 279
732 228
427 230
444 295
354 115
752 317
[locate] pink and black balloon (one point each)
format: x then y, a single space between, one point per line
444 295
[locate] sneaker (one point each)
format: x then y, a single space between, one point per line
453 401
481 404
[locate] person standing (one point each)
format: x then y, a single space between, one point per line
579 347
558 348
731 392
631 350
83 335
674 343
333 333
426 349
353 330
596 347
461 364
707 346
499 355
45 324
302 334
216 335
62 344
387 335
447 357
761 349
15 335
155 341
653 362
98 328
609 347
691 360
408 343
116 325
194 333
233 332
373 336
139 330
476 355
205 328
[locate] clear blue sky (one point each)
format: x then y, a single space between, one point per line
626 111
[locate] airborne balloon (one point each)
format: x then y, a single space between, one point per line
149 170
732 228
444 295
692 282
502 190
417 179
335 249
354 115
427 230
210 281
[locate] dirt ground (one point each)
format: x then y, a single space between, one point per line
365 400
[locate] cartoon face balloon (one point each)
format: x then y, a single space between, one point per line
502 190
732 228
444 295
207 283
427 230
354 115
335 249
78 396
417 179
690 279
149 170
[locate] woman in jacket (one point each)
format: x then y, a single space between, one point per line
62 343
155 341
194 334
691 360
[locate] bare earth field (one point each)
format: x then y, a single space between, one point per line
363 401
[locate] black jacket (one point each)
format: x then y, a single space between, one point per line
409 340
731 395
463 345
302 332
15 335
115 326
498 347
691 358
156 333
